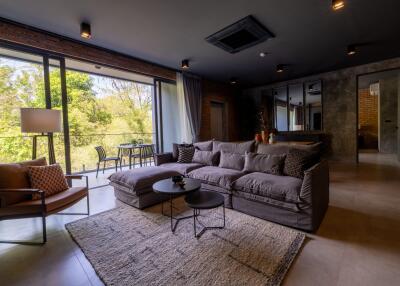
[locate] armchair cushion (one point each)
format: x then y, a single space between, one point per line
56 202
15 176
49 179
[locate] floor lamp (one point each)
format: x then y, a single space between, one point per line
43 121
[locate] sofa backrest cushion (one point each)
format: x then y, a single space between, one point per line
279 149
204 145
49 179
265 163
205 157
237 148
231 161
15 176
297 161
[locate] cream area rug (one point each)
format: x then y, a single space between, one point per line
127 246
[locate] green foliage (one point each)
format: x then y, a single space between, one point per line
107 106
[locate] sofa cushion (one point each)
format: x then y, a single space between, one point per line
181 168
141 178
205 157
238 148
282 148
15 176
231 161
185 154
216 176
204 145
49 179
58 201
297 161
282 188
271 164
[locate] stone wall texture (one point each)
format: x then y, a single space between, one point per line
388 113
339 104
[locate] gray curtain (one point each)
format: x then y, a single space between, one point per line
193 94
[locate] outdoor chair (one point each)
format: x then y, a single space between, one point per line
147 154
103 158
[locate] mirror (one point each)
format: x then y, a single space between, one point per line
313 106
280 102
296 104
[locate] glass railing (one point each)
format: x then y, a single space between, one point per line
84 157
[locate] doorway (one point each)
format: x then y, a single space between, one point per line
218 121
378 113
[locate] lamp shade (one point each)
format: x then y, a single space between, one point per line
40 120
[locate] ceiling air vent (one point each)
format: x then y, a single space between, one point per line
241 35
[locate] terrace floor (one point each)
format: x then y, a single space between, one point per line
358 242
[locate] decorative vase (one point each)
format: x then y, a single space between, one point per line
264 135
271 138
258 137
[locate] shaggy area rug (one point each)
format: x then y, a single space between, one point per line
127 246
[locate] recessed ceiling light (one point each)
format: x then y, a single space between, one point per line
263 54
351 50
86 31
279 68
233 80
337 4
185 64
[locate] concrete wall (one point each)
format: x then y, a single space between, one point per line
339 104
388 114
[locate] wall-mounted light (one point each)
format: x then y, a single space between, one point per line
279 68
86 31
233 80
351 50
337 4
185 64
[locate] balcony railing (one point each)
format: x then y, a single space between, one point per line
83 154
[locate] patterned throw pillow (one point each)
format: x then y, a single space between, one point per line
297 161
185 154
49 179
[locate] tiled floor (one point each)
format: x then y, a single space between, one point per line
358 242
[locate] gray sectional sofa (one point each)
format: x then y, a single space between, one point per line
299 202
291 201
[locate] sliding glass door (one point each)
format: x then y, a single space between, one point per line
100 106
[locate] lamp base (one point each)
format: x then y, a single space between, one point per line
50 142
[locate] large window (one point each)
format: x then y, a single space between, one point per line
21 85
100 105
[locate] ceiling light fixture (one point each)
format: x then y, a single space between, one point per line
185 64
337 4
279 68
351 50
233 80
86 31
263 54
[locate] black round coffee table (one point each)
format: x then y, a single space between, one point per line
168 187
204 200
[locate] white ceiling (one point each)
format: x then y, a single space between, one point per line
310 37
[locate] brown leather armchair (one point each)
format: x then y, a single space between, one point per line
16 196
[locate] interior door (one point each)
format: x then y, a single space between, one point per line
218 121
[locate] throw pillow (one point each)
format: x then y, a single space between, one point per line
49 179
231 161
231 147
204 157
185 154
297 161
270 164
204 145
175 150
